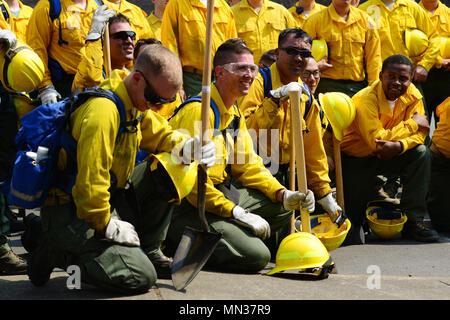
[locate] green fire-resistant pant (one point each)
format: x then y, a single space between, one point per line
435 89
108 265
438 195
239 250
192 84
359 175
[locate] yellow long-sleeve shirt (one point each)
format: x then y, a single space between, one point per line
155 24
184 27
137 17
376 120
405 14
300 17
95 125
43 34
262 113
246 167
440 19
260 30
352 45
19 24
441 136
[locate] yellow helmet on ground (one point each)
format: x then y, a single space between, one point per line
182 177
385 221
301 250
328 232
21 69
445 47
319 49
416 42
339 110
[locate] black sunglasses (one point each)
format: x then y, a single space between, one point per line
124 35
292 51
151 96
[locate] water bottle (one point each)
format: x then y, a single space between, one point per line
42 154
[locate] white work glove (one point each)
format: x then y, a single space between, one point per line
283 91
99 19
295 200
192 150
122 232
7 39
48 94
330 206
258 225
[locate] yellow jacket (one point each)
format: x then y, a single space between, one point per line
246 167
405 14
183 29
264 113
260 30
137 17
441 136
155 25
376 120
300 18
43 34
352 45
19 24
441 23
95 125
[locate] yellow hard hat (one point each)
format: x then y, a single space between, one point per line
183 177
21 69
319 49
328 232
385 221
339 110
445 48
416 42
300 250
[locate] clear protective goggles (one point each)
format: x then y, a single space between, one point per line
242 68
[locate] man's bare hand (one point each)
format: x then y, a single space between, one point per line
420 74
387 149
323 64
422 122
446 64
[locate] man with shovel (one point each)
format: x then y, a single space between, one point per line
243 200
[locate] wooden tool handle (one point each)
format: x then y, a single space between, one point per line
108 51
338 172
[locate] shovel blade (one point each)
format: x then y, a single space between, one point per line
193 252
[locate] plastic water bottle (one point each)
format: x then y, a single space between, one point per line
42 154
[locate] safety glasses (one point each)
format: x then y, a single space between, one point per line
306 74
151 96
124 35
292 51
241 68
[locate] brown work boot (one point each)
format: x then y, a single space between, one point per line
162 264
11 263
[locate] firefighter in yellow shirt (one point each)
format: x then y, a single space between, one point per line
183 31
155 18
354 47
269 118
259 22
18 19
387 137
436 87
243 200
113 228
303 9
440 170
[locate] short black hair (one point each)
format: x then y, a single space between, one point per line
224 53
299 33
142 42
118 18
268 56
397 59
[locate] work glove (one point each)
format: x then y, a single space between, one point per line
282 92
99 19
258 225
330 206
193 150
121 232
48 94
7 40
295 200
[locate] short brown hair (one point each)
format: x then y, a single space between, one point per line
227 49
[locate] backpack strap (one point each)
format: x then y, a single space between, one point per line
4 11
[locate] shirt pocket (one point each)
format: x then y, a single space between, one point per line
246 31
192 33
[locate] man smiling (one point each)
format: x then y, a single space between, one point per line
387 137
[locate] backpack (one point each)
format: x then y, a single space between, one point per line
47 126
267 77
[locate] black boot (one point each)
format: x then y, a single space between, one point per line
419 231
41 263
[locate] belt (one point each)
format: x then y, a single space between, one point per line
193 70
435 149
